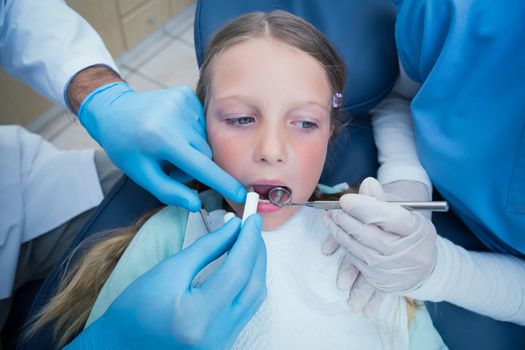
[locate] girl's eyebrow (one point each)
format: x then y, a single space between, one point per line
309 105
241 98
313 103
248 102
247 99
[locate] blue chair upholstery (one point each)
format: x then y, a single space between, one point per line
362 30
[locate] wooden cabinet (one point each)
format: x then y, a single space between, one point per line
122 24
125 6
143 20
104 16
142 17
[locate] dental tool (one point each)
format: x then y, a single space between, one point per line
281 197
250 207
206 219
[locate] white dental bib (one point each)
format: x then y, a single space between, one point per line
304 308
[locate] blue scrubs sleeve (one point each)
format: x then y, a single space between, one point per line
469 115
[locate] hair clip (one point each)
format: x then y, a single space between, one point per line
337 99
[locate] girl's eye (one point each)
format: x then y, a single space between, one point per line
305 124
244 120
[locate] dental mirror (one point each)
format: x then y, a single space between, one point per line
279 196
282 196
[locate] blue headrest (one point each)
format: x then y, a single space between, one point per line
362 31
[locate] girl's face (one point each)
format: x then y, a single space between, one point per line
268 120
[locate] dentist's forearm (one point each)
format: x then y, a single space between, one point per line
88 80
487 283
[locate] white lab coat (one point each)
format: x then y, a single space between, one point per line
43 43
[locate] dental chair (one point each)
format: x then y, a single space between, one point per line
363 32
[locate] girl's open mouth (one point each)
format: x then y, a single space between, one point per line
265 206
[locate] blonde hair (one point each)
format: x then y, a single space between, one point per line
77 292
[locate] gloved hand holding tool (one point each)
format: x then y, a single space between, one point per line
379 260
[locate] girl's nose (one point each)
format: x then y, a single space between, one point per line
271 146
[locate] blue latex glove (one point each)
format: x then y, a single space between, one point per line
161 309
145 133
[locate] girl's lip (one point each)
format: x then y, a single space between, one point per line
267 207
